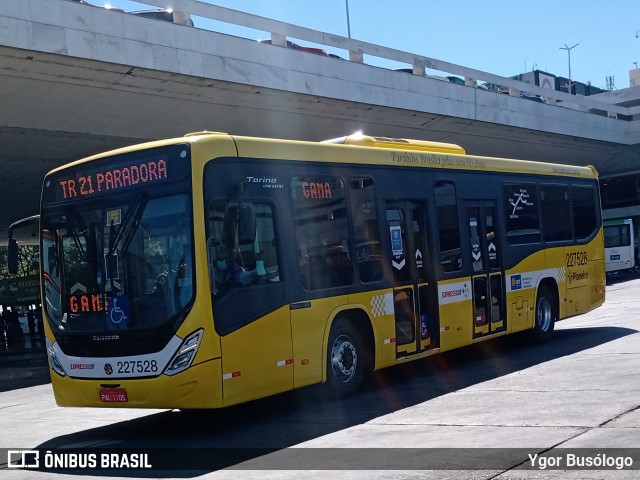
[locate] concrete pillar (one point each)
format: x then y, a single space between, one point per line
182 18
356 56
279 40
418 68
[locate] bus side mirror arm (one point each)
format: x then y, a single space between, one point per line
13 250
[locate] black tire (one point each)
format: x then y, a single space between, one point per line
348 359
546 313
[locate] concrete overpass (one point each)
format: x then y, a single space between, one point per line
76 80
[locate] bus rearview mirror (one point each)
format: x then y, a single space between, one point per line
13 256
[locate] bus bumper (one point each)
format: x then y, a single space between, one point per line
200 386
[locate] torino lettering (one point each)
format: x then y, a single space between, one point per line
261 180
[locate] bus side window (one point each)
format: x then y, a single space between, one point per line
448 226
521 213
235 260
265 246
556 210
322 232
586 214
365 227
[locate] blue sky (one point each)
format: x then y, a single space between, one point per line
496 36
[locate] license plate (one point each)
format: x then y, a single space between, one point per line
614 257
113 395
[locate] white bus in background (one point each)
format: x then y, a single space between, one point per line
619 245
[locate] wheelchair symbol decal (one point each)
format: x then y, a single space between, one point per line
118 312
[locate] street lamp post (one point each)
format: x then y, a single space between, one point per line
568 49
348 21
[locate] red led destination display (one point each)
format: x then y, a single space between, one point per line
138 170
312 189
148 172
320 190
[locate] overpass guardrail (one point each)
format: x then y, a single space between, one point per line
357 49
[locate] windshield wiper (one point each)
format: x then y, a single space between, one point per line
126 231
129 225
75 222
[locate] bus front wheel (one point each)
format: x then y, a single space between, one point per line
546 313
347 359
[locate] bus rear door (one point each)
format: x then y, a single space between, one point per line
416 323
488 276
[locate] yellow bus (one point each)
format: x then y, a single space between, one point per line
210 270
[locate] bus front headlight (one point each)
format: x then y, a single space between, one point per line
53 361
185 354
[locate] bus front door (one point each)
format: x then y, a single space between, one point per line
414 321
488 276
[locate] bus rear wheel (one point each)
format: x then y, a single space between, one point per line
347 359
546 313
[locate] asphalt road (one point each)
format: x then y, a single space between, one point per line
483 409
23 368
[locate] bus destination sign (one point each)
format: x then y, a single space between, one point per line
311 189
110 179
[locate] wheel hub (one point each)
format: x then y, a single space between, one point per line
344 358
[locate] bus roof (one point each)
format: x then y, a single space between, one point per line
362 149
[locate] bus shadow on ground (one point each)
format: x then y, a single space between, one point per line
623 276
23 367
186 444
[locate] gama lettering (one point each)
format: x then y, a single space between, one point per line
86 303
317 190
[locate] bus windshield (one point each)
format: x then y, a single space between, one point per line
617 235
120 265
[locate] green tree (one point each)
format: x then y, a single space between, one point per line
28 263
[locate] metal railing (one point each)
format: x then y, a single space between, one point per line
357 49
